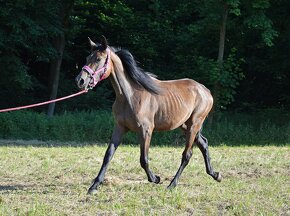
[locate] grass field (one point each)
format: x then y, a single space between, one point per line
37 178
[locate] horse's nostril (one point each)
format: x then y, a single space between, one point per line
81 82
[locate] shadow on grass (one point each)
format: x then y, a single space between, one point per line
46 144
10 187
35 188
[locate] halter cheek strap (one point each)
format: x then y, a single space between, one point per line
102 70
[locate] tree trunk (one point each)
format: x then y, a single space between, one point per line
223 35
59 44
220 59
221 52
54 70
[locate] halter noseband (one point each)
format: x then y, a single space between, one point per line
101 70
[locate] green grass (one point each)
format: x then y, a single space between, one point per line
50 178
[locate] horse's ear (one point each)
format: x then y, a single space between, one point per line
104 42
92 43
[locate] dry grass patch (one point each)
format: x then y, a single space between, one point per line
54 181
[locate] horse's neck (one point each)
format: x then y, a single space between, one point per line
122 85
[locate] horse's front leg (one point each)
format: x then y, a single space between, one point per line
145 138
119 131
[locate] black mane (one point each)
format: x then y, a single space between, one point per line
136 73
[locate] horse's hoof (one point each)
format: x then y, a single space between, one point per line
171 186
218 178
92 191
157 179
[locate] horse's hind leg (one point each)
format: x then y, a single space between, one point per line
202 144
145 138
190 132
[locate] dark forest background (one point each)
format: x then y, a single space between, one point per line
239 49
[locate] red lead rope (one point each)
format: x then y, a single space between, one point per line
43 103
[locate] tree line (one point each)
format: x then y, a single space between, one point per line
239 49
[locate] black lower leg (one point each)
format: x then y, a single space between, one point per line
202 144
145 138
184 161
100 178
144 164
115 141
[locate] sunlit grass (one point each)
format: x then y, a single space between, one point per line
54 181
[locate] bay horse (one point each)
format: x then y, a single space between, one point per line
145 104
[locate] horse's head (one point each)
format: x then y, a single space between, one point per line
97 66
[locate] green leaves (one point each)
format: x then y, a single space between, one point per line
234 6
258 20
174 39
261 4
26 31
226 76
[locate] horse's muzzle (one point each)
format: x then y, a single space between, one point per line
80 82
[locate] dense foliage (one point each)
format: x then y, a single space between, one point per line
230 129
172 39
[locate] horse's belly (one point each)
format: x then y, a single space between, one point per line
170 120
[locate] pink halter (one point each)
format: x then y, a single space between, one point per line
102 70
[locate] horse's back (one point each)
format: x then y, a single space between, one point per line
187 86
